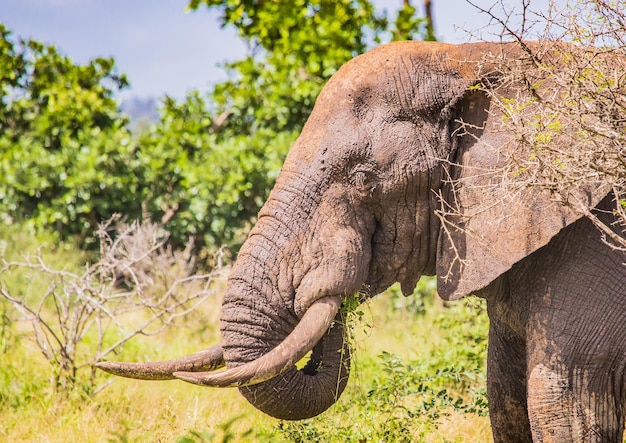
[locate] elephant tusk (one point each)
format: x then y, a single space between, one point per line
307 333
206 360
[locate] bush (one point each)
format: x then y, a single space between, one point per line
215 184
137 286
67 157
407 399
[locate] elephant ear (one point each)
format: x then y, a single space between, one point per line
488 223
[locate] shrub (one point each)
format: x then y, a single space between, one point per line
136 286
67 158
404 399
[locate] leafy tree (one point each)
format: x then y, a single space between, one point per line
66 157
201 184
295 47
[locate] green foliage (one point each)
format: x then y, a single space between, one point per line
296 47
215 185
224 434
406 399
67 158
414 304
408 26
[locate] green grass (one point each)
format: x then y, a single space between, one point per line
418 375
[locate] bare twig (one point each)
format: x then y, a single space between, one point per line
138 286
564 105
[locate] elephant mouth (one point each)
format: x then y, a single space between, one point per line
273 316
307 333
200 368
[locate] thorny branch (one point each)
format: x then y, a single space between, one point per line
567 115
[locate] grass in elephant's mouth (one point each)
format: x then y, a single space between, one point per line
418 375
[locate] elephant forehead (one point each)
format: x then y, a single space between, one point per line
367 68
398 81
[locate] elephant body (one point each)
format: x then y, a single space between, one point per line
557 341
399 172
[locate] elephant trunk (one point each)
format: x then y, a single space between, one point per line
303 393
283 297
283 301
258 322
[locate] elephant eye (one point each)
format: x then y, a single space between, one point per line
364 181
359 179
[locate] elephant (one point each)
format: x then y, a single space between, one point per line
395 176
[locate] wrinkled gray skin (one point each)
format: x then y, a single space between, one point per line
354 208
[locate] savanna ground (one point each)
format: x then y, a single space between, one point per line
418 374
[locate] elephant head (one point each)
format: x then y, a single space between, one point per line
399 137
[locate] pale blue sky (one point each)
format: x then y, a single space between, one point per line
165 50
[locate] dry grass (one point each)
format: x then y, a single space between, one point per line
127 410
137 411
